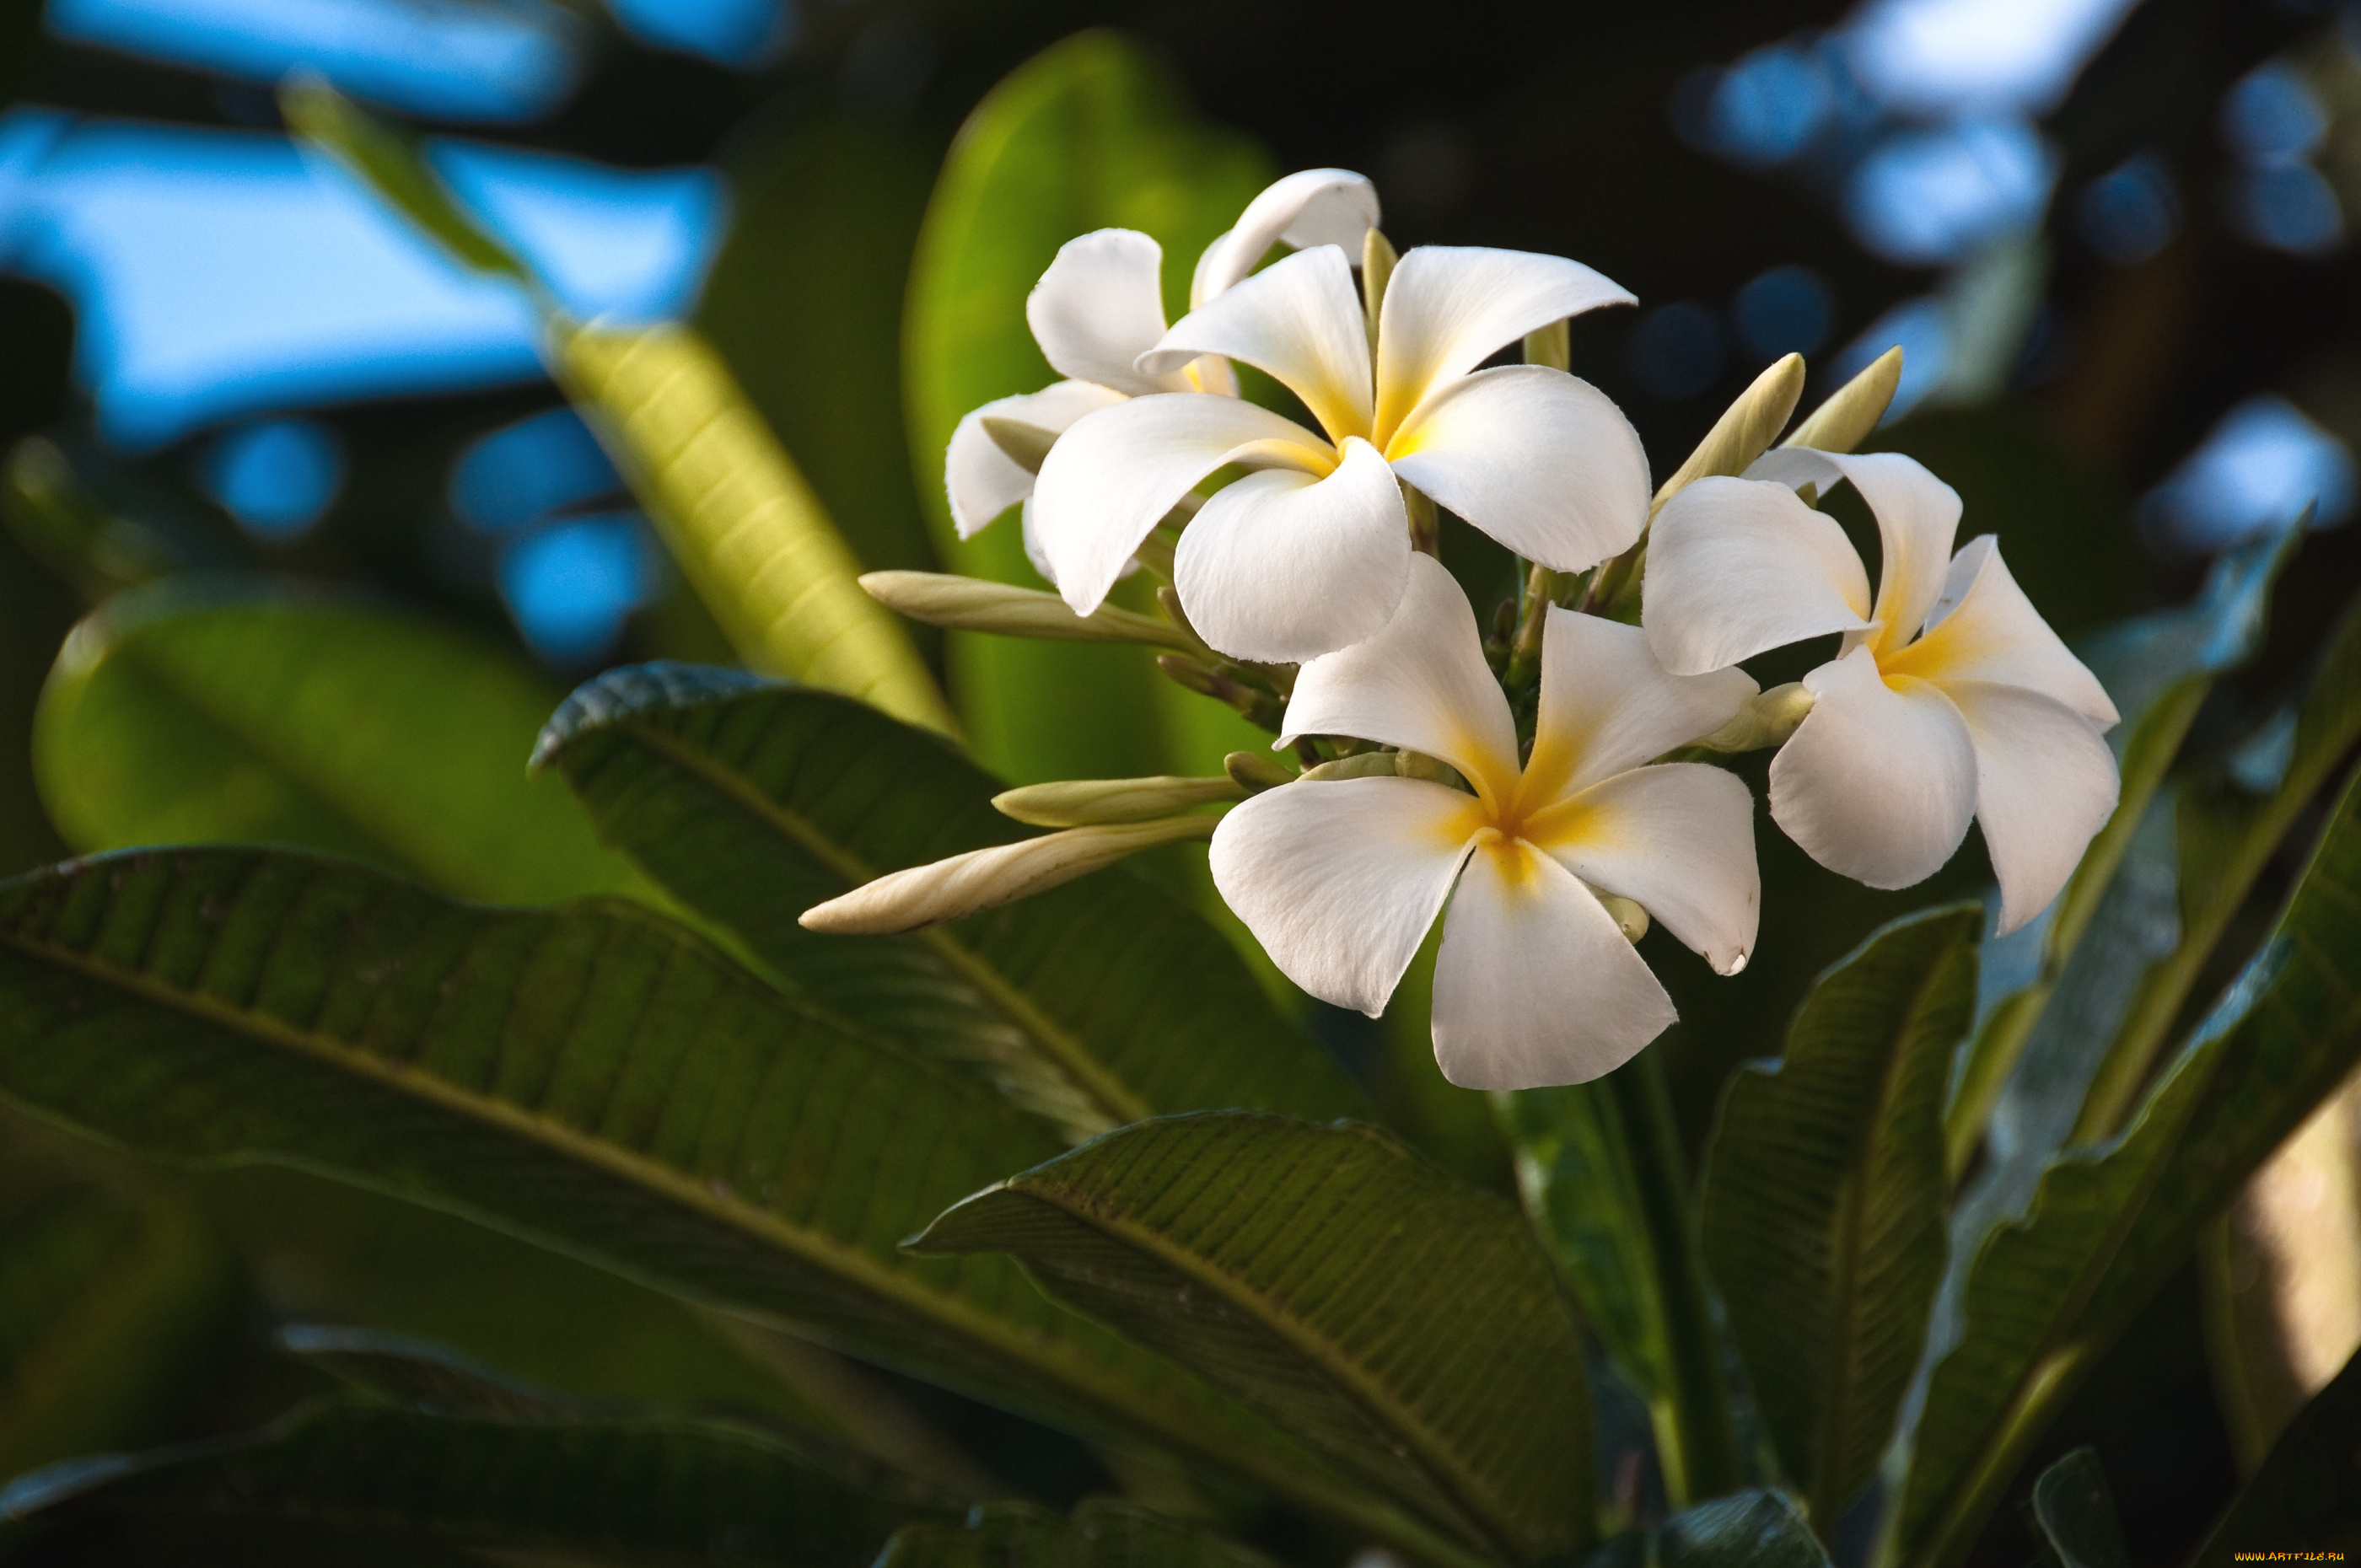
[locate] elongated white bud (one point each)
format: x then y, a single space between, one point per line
1745 430
1853 409
1767 720
986 879
970 604
1087 803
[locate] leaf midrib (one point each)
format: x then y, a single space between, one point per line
1064 1052
1426 1450
1849 1311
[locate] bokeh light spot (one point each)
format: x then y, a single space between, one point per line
1787 310
571 586
2257 468
1677 351
522 473
1929 196
275 476
2130 212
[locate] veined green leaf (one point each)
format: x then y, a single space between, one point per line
1103 1533
2076 1514
1745 1529
1094 1005
618 1487
1087 135
1400 1322
1824 1197
2108 1225
228 710
2158 668
109 1317
2307 1496
1600 1168
592 1076
2225 840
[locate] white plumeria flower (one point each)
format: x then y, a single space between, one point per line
1308 554
1101 305
1535 985
1950 697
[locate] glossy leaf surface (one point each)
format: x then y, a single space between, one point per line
1824 1197
2108 1225
2075 1513
228 710
1094 1005
592 1076
1399 1321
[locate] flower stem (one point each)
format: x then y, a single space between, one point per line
1425 527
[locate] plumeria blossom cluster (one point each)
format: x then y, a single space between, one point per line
1551 791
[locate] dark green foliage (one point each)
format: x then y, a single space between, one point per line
1824 1197
1093 1005
2075 1515
1402 1322
1101 1534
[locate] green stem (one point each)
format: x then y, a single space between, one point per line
1703 1461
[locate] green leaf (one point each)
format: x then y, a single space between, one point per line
1746 1529
1090 134
736 514
229 710
591 1077
2108 1225
1824 1197
1094 1005
2076 1514
657 1488
390 163
2159 669
1399 1321
2307 1494
1600 1168
1103 1533
2227 838
805 303
738 517
111 1317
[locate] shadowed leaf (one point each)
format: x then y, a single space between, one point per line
1103 1533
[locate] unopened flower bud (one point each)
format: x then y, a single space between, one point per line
1084 803
1629 917
1419 765
1745 430
1853 409
1767 720
986 879
1254 772
1362 765
1026 445
970 604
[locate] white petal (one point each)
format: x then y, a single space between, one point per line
1448 308
1310 207
1918 517
1113 475
982 480
1283 568
2045 785
1298 319
1607 705
1539 460
1876 784
1984 629
1736 567
1678 840
1339 880
1534 984
1420 684
1099 307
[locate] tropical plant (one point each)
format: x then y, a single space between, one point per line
757 1010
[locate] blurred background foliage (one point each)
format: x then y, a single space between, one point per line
317 520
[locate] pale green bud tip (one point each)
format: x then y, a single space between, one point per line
1084 803
1026 445
986 879
1767 720
970 604
1745 430
1629 917
1853 409
1254 772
